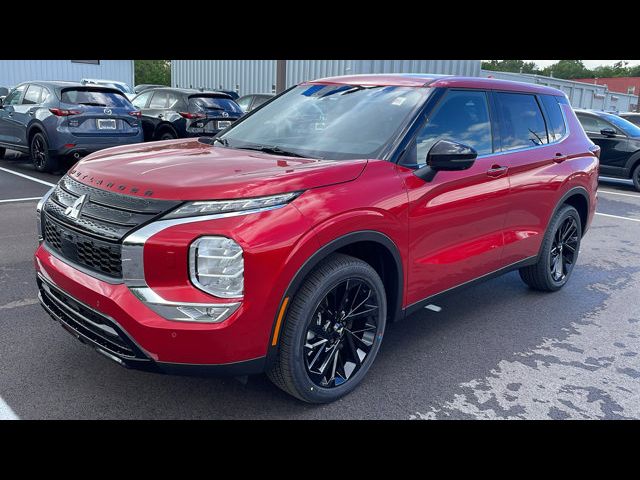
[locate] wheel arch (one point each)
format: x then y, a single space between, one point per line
632 163
32 129
371 246
163 126
577 197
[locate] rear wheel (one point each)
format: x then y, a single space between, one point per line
558 254
636 177
2 152
167 135
42 160
333 331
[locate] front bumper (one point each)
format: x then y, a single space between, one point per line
139 338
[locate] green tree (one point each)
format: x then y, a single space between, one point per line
568 69
157 72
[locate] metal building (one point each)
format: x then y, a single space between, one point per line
581 95
259 76
13 72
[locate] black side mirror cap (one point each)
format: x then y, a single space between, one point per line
608 132
447 155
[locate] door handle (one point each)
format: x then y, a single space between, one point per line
559 158
497 171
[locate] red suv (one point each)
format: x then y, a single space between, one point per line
287 243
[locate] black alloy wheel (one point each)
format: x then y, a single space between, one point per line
341 333
563 250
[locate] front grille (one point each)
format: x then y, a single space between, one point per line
87 323
93 239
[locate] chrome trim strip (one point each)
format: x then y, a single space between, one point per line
39 207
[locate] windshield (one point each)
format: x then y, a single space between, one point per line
334 122
96 98
625 125
216 103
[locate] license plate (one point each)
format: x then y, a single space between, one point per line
106 124
223 124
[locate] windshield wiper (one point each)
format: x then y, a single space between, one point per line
93 104
223 141
274 150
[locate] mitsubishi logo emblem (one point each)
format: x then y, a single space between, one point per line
74 210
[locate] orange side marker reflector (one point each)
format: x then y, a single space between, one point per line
274 342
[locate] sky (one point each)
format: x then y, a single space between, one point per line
587 63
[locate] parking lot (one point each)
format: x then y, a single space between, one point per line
497 350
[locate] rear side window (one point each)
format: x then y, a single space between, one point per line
244 103
32 97
159 100
96 98
555 120
521 121
462 116
215 103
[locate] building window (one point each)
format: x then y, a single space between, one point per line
92 62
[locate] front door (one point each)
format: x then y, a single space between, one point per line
456 220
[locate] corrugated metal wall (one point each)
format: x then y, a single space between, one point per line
13 72
259 76
581 95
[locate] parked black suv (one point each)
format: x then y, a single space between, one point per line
619 141
48 120
169 113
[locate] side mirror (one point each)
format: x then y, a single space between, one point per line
2 101
448 156
608 132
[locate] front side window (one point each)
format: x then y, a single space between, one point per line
622 124
462 116
521 121
159 100
594 124
336 122
32 97
15 96
555 119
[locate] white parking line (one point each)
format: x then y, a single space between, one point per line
619 217
5 411
33 179
10 200
619 193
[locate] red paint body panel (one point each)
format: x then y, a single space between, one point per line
453 229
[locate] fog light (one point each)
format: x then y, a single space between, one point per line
208 314
216 266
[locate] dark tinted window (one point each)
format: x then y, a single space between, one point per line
461 116
521 121
32 97
635 119
555 120
14 97
159 100
215 103
97 98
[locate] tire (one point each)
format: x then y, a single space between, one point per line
298 368
166 135
42 159
636 177
557 259
2 152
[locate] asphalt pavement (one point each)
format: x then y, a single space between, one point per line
497 350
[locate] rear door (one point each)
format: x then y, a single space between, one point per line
157 111
26 110
456 220
531 153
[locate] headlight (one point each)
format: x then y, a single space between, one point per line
225 206
216 266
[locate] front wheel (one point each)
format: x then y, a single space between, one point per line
558 254
333 331
42 159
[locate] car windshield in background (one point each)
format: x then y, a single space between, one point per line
625 125
336 122
216 103
97 98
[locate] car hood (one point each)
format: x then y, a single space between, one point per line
191 170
